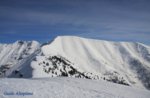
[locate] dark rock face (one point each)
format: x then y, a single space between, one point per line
18 73
143 73
3 69
60 66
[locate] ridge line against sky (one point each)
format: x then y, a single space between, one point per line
43 20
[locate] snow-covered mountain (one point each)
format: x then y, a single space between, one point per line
16 53
119 62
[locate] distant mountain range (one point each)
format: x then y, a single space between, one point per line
124 63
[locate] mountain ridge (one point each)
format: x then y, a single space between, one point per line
93 54
119 62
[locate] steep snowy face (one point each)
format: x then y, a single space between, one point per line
113 61
11 54
119 62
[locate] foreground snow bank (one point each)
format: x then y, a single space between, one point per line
66 88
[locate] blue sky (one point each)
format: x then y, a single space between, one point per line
43 20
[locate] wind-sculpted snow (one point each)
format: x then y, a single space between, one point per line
66 88
143 73
12 54
103 57
124 63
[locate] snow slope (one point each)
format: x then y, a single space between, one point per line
16 53
119 62
66 88
112 61
95 55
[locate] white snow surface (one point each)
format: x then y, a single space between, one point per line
130 60
12 53
96 55
15 55
66 88
125 62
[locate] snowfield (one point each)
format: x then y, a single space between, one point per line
74 67
15 55
66 88
11 54
119 62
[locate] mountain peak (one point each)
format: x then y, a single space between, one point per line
119 62
103 57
